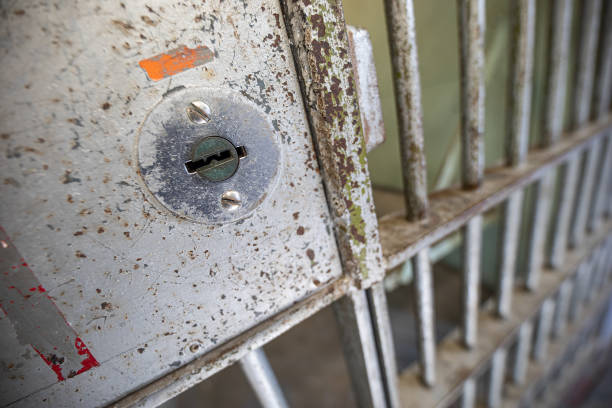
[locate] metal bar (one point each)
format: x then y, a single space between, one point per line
562 216
362 57
471 46
456 364
452 208
262 379
468 397
511 220
562 308
603 80
520 79
384 340
359 346
523 349
402 35
577 294
538 227
587 56
604 181
472 246
556 86
584 192
497 377
423 286
543 331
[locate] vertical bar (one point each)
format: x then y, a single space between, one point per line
543 332
538 227
562 309
603 81
589 31
468 398
261 377
472 39
558 59
425 316
509 243
584 195
605 178
577 293
521 361
520 79
402 35
569 177
384 338
497 377
472 246
354 320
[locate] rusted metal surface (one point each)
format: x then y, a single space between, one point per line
362 58
322 57
586 61
520 79
472 64
450 209
556 86
456 365
401 28
472 248
146 291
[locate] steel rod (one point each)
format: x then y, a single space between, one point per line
258 372
584 194
601 188
538 227
402 35
472 247
472 68
359 346
496 378
562 216
468 396
577 293
511 220
587 56
520 79
384 340
562 308
556 86
523 349
423 284
543 331
603 79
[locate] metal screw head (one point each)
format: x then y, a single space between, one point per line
198 112
230 200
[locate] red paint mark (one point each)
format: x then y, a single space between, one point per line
54 340
175 61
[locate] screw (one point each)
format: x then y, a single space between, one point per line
230 200
198 112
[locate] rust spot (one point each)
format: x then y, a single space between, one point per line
300 230
147 20
100 230
296 215
19 12
106 106
79 254
106 306
175 61
310 253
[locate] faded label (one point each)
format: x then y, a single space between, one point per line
175 61
36 318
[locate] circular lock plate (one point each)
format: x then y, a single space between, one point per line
167 141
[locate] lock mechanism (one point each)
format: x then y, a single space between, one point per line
209 156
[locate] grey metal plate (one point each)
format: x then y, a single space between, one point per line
145 291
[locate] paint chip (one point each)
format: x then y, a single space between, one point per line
175 61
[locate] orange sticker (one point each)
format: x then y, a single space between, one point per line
175 61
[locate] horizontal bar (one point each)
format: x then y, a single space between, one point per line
452 208
402 36
262 379
459 364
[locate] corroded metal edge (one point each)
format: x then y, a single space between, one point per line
452 208
321 51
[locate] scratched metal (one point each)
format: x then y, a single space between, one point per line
146 291
402 34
